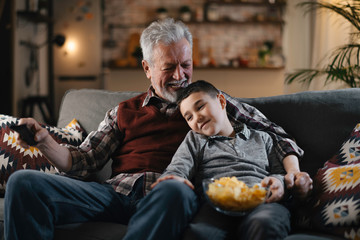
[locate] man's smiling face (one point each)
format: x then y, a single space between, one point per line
171 68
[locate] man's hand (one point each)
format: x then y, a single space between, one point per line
40 133
58 155
275 187
177 178
300 183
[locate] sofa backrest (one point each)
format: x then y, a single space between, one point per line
89 106
318 120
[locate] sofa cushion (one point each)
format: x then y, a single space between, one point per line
13 157
337 209
335 204
350 150
90 231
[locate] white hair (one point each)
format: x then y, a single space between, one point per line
166 31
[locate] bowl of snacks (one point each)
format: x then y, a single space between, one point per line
232 196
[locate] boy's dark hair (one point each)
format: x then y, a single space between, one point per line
198 86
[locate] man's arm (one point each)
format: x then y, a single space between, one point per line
285 148
299 182
252 117
96 150
90 156
58 155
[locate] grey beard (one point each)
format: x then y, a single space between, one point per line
170 96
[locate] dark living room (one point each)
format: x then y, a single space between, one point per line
65 63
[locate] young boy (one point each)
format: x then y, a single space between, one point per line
214 148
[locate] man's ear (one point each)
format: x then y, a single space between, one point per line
222 100
146 68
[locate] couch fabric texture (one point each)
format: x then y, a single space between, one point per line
320 121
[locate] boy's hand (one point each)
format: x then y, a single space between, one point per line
300 183
177 178
276 189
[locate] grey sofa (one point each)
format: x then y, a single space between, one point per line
319 121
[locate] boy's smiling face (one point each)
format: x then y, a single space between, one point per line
206 115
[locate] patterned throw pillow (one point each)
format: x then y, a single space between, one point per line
350 149
13 157
335 206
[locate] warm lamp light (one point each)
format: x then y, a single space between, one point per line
70 47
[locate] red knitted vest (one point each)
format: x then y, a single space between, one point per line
150 138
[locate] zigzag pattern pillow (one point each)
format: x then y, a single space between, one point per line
349 152
337 209
335 205
13 157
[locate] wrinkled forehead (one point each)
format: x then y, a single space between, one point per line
175 52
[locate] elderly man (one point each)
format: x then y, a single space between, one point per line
140 135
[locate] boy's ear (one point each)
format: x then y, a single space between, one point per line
222 100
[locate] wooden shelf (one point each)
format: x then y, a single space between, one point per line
238 22
34 17
206 22
244 3
260 14
208 68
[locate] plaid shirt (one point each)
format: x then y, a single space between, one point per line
99 145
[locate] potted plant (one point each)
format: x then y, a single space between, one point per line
344 61
162 13
185 13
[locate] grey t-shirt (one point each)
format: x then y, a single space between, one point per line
250 156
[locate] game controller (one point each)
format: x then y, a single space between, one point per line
26 134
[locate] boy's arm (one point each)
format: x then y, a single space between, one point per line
174 177
276 188
184 162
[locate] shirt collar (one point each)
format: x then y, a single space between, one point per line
150 94
164 106
240 129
